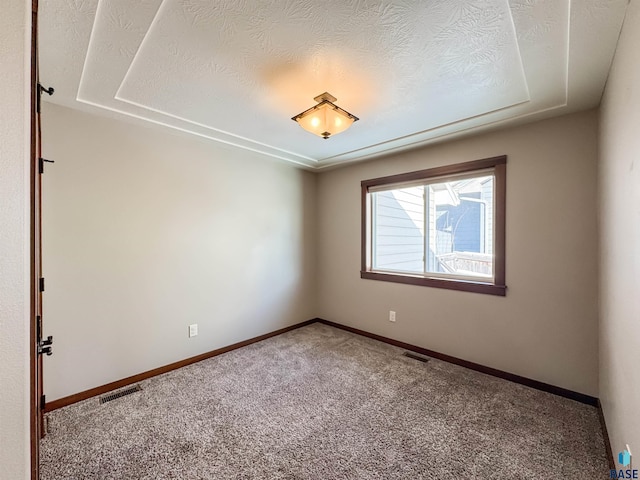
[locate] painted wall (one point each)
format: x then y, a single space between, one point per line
15 54
620 241
147 231
546 327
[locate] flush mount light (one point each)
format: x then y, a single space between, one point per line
325 119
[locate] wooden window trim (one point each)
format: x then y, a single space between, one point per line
498 287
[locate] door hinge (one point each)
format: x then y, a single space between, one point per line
38 328
41 163
41 284
43 401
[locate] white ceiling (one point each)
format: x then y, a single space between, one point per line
236 71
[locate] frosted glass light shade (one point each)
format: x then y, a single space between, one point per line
325 119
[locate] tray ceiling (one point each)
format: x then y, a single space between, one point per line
414 71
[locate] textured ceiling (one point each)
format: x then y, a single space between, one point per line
414 71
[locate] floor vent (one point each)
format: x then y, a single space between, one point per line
415 356
121 393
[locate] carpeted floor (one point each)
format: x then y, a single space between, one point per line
321 403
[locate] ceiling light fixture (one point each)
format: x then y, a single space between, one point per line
325 119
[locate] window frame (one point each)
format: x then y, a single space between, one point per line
498 286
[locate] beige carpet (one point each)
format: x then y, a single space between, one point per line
321 403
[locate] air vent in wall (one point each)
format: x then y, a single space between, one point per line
120 393
415 356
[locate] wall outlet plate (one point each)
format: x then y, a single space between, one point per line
193 330
392 316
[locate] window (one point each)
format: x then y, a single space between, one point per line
442 227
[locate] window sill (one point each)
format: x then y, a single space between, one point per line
465 286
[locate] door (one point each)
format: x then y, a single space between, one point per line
35 275
39 346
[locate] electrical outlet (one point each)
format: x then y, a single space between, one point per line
392 316
193 330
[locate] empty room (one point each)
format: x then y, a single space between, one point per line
320 240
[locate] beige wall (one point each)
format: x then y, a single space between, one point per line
147 231
15 55
546 326
620 241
